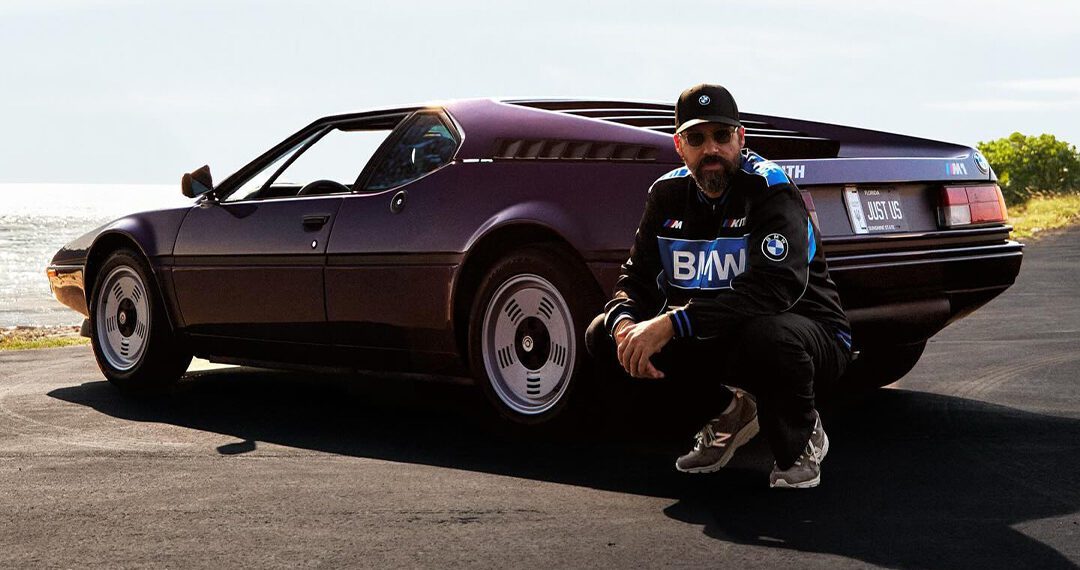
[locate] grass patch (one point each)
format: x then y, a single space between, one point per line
16 344
24 338
1040 215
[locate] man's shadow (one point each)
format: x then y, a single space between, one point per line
912 479
918 480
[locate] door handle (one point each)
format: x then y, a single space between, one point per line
315 221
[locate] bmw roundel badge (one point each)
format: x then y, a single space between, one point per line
774 246
704 99
981 162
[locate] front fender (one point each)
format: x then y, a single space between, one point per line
153 234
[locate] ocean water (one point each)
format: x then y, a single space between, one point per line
37 219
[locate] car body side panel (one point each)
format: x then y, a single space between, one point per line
254 269
387 273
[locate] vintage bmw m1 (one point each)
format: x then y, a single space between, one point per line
479 237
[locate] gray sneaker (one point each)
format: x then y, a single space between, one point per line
806 472
718 440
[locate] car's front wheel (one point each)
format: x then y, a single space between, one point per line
133 342
527 328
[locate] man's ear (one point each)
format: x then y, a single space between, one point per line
742 137
678 147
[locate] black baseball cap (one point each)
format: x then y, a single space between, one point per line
705 104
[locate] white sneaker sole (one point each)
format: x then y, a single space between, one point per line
745 434
782 484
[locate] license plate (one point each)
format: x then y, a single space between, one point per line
875 210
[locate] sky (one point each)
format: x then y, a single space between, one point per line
111 91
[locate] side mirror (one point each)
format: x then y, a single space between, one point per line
197 183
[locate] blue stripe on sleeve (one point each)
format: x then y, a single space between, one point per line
844 337
686 322
678 326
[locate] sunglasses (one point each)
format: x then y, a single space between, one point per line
697 138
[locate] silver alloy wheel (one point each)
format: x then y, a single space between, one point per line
123 318
528 344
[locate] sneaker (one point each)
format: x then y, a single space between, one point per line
806 472
718 440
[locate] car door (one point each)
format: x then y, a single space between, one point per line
255 269
250 264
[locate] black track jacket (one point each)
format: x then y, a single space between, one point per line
715 263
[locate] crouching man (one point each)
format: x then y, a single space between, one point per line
727 278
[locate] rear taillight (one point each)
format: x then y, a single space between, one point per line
969 205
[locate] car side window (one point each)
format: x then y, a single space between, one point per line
337 156
426 144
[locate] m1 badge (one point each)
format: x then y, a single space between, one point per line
775 247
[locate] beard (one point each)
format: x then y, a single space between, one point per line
713 181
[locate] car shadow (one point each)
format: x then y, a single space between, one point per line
912 479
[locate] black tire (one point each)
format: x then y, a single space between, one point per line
133 342
543 299
880 366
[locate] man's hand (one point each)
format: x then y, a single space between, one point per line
620 330
637 342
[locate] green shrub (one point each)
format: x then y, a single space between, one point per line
1029 166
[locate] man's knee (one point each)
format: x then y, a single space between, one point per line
597 340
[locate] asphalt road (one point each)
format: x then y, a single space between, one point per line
971 460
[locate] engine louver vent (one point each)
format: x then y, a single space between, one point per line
771 142
533 149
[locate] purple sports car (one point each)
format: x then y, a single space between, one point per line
478 238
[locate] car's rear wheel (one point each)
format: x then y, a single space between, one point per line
527 330
880 366
133 342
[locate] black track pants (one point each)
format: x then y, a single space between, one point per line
779 359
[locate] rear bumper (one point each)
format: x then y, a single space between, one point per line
907 296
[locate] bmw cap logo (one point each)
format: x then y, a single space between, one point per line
704 100
774 246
